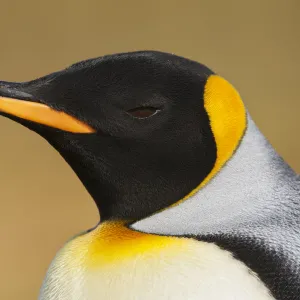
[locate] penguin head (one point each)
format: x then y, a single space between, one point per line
142 130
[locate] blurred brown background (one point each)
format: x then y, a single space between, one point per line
254 44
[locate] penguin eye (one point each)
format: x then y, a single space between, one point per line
143 112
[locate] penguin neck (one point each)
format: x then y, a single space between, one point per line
249 183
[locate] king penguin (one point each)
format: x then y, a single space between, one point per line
194 202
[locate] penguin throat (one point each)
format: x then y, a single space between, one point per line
245 188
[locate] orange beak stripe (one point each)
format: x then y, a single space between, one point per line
43 114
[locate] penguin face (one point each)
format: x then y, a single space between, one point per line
133 127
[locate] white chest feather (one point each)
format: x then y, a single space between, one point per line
183 269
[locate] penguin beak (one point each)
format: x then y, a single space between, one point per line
39 113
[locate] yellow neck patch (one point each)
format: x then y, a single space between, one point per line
112 242
228 121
